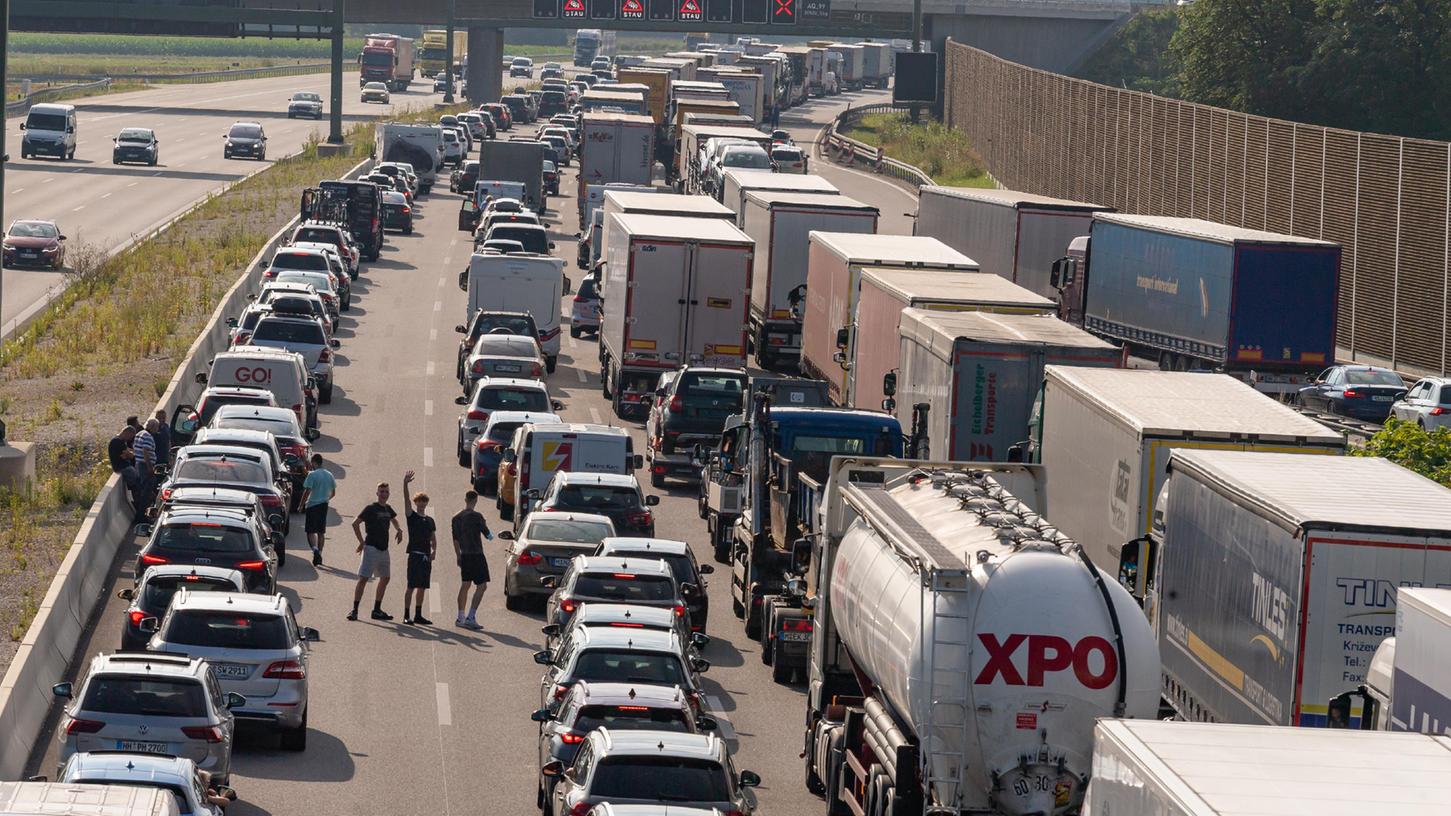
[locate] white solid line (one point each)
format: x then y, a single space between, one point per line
429 369
445 711
594 414
428 457
428 407
583 377
433 334
438 305
726 731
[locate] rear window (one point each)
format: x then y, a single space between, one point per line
1372 377
505 345
603 497
502 431
205 536
679 565
751 159
513 399
316 235
588 289
153 697
221 470
660 777
212 404
278 428
786 154
306 261
625 587
157 594
289 331
227 630
608 665
572 532
631 718
712 389
533 239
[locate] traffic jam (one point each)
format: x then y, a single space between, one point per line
875 430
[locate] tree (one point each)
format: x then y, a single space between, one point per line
1137 56
1248 55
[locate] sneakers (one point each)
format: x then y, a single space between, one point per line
421 621
467 623
353 615
379 614
407 619
317 558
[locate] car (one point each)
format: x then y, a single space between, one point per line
215 397
312 232
326 284
551 178
545 546
282 423
782 137
651 768
519 107
134 144
584 315
551 71
464 176
222 536
245 139
561 146
149 703
534 237
341 280
1427 404
788 159
489 449
689 408
397 214
618 706
689 573
500 245
454 150
746 156
255 649
375 92
178 776
499 354
521 67
305 103
1357 391
262 442
491 218
402 170
616 655
502 113
478 128
553 101
590 579
391 184
598 63
489 322
301 259
499 394
151 595
616 495
627 616
306 336
34 243
440 82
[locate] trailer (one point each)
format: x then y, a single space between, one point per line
516 161
1408 681
737 182
386 58
745 88
876 64
419 145
657 99
689 171
853 65
614 148
654 201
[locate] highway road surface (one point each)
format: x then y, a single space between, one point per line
435 720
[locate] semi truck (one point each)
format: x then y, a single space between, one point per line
780 223
657 97
433 51
961 648
614 148
592 42
736 182
1105 437
876 64
745 88
1018 236
853 65
979 374
654 201
834 263
516 161
1271 578
1196 294
689 173
418 145
1192 769
676 291
1408 681
386 58
773 92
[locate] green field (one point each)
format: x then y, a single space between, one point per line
939 151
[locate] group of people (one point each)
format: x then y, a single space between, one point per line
135 452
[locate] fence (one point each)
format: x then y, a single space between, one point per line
52 94
1385 199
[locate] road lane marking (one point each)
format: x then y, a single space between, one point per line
433 334
17 191
445 711
584 378
438 305
447 259
78 209
726 731
439 283
594 414
47 181
107 195
132 184
429 370
572 344
428 407
428 457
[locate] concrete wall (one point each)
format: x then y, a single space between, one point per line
1053 44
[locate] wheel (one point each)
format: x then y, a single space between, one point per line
721 539
327 394
506 511
780 672
463 458
289 115
813 781
753 624
737 609
347 304
550 363
153 163
575 332
296 739
408 230
702 509
513 603
539 796
656 479
768 625
605 382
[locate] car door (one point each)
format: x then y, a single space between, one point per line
1314 396
1413 403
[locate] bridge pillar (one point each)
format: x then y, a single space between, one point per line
486 56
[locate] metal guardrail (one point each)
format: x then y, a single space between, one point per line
48 94
1357 428
846 150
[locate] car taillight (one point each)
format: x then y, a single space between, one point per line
529 559
269 273
1352 393
243 337
271 500
559 691
297 409
252 566
490 446
679 611
537 371
581 809
152 560
285 670
568 607
478 367
658 470
210 733
1438 411
642 518
84 726
480 416
796 625
571 739
166 494
677 404
136 616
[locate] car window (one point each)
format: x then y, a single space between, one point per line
211 404
625 587
511 345
566 530
221 470
226 630
306 97
205 536
277 427
631 718
680 564
513 399
629 666
711 387
1372 376
148 697
587 289
534 239
1445 398
30 229
158 591
290 331
678 779
134 135
245 132
612 497
805 443
316 235
502 431
306 261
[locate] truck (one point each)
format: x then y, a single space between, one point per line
745 88
876 64
681 70
797 73
676 291
780 222
594 198
771 92
592 42
519 282
656 201
433 51
1192 769
816 69
961 648
689 173
738 182
657 81
978 373
354 205
614 148
1271 578
418 145
884 293
1196 294
516 161
1408 681
834 263
1015 235
1105 437
386 58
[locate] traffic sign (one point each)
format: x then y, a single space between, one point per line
602 9
719 11
783 12
546 9
573 9
632 9
690 11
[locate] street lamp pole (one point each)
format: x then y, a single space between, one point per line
916 48
4 157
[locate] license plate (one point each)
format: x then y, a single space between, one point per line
796 636
142 747
559 562
507 368
1380 399
231 671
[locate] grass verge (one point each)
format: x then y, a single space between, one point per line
12 91
939 151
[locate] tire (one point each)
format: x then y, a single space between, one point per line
513 603
551 363
722 544
463 458
506 511
327 394
605 382
296 739
780 672
736 608
701 508
656 479
348 304
753 626
575 332
408 230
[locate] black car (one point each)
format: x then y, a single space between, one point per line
551 178
215 538
151 596
357 205
464 177
552 102
397 214
689 409
487 322
615 496
135 145
245 139
1359 391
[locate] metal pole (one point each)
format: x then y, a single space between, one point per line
916 48
335 124
448 58
4 156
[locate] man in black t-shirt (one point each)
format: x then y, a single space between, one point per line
469 532
375 519
422 547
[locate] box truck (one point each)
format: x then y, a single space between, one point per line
736 182
1105 437
978 374
1408 681
771 86
1196 294
419 145
614 147
516 161
1143 767
876 64
834 263
780 222
853 65
519 283
676 292
594 198
743 87
655 201
1016 235
959 656
657 98
433 50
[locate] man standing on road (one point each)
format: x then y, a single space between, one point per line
317 490
144 447
469 532
375 519
162 435
123 462
422 549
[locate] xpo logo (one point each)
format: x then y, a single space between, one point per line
1048 654
258 375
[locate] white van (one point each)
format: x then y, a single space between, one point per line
49 130
282 372
540 450
520 283
63 799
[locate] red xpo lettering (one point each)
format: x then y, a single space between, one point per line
1047 653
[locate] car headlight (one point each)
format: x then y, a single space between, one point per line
51 249
9 247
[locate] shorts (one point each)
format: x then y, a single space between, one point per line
420 570
315 519
374 563
473 568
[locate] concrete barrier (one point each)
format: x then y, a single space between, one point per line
75 594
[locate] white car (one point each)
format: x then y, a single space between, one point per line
1427 404
376 92
492 394
453 148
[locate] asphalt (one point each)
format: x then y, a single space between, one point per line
435 720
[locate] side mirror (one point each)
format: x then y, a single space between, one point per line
507 535
143 530
1055 277
699 665
335 343
149 625
556 405
889 405
201 378
532 493
541 715
889 384
543 658
750 779
224 790
637 461
651 501
551 245
550 630
309 634
127 594
842 336
549 581
460 328
553 769
704 723
235 700
460 400
312 434
232 322
699 640
707 569
62 690
1134 564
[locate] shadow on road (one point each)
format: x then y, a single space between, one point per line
122 170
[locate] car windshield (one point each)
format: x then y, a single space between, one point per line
629 666
227 630
221 470
378 58
1373 377
751 159
803 443
502 431
147 697
566 530
512 399
32 229
305 261
631 718
246 132
450 137
394 199
307 332
533 238
46 121
306 97
605 497
674 779
786 154
157 594
134 135
624 586
505 345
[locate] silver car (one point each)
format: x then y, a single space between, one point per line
306 336
255 648
1427 404
153 704
505 355
651 768
175 775
546 545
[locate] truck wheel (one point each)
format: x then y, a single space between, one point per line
550 363
605 381
721 539
737 608
753 625
701 508
575 332
834 805
781 672
768 628
813 781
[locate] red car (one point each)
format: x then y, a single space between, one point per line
34 243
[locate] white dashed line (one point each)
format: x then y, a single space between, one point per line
445 710
583 377
107 195
439 283
433 334
78 209
47 181
594 414
428 407
132 184
726 731
428 457
447 259
572 343
428 370
438 305
17 191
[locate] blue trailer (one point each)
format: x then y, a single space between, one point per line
1199 295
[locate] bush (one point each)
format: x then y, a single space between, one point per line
939 151
1411 446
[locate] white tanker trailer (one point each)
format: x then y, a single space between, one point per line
961 648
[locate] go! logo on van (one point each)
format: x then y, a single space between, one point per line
258 374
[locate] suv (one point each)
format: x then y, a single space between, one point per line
178 776
616 495
642 582
255 648
211 537
677 555
615 655
150 704
305 103
690 407
312 232
499 394
521 67
151 596
213 399
498 434
306 336
485 322
464 176
651 768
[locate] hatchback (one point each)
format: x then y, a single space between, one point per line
214 399
306 337
626 616
545 546
245 139
215 538
397 213
619 656
584 315
689 573
1428 403
487 322
592 579
151 596
652 768
375 92
34 243
491 444
788 159
135 145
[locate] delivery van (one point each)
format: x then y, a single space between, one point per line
282 372
520 283
539 451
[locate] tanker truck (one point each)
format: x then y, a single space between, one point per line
961 647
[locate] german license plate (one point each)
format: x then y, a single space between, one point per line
559 562
507 368
142 747
1380 399
231 671
796 636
